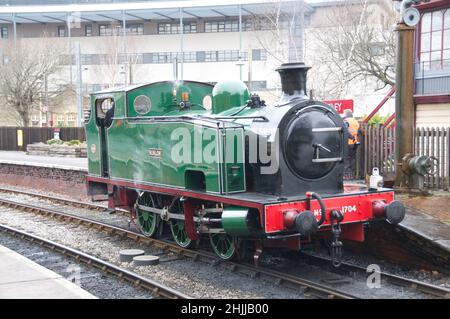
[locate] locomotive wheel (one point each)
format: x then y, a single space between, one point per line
223 245
178 229
148 222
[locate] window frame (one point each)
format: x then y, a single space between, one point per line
106 28
2 32
63 29
222 26
174 28
86 28
135 29
426 56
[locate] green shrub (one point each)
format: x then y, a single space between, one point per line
73 142
67 143
54 141
377 119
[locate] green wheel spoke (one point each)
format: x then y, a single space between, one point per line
148 222
223 245
178 229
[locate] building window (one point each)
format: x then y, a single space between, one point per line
135 29
161 57
210 56
61 31
190 27
88 30
200 56
147 58
248 25
89 59
174 28
118 30
4 32
35 119
105 59
164 28
60 119
224 56
104 30
71 117
259 55
189 57
222 26
168 57
435 40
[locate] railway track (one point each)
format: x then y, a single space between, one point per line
423 287
279 278
156 289
60 200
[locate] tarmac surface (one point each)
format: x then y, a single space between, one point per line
21 278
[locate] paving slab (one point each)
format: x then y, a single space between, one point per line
24 279
20 158
427 227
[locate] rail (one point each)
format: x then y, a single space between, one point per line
290 281
123 274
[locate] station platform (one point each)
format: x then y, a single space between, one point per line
429 217
20 158
21 278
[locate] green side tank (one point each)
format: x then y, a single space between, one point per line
229 94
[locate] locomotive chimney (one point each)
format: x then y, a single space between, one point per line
293 78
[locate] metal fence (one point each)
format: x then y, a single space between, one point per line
378 148
9 136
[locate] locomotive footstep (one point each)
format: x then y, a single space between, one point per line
145 260
129 254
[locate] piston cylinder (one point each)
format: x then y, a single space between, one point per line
236 221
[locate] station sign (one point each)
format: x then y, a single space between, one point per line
341 105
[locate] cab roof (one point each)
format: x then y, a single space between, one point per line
124 88
128 88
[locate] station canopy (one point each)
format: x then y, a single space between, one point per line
99 11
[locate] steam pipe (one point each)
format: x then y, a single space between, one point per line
321 203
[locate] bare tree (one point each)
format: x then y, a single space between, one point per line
356 45
23 74
115 66
283 25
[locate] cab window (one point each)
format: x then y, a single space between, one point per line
104 111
